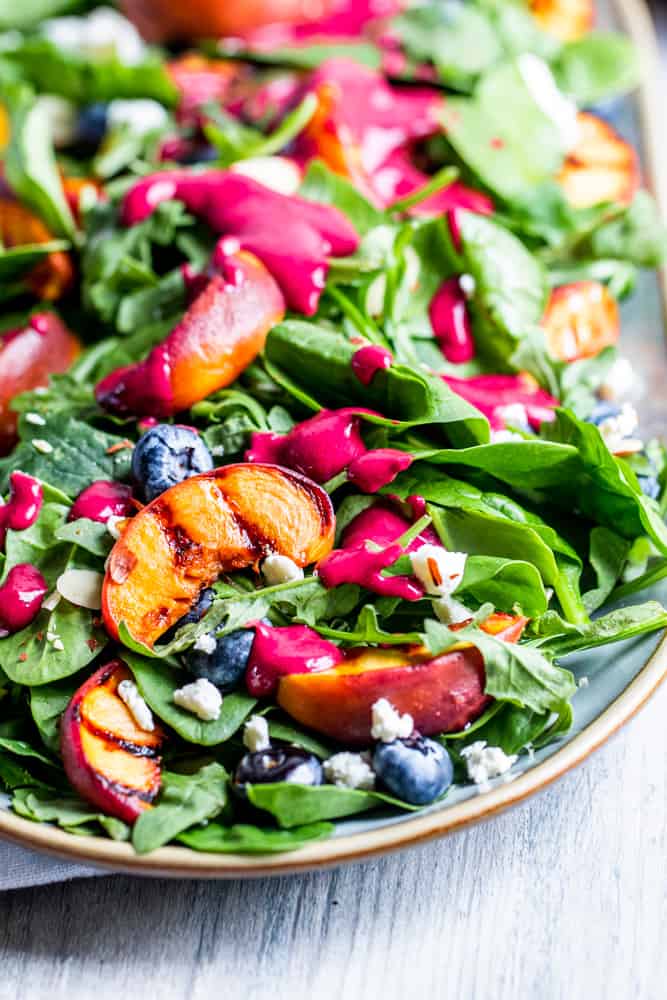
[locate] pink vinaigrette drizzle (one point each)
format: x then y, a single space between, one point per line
101 500
24 504
277 652
368 360
450 321
21 597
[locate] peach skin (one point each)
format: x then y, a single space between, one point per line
213 523
442 693
580 320
108 759
220 334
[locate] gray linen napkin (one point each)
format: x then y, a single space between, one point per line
20 868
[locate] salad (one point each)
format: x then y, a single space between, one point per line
319 450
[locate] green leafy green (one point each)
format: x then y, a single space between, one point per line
242 838
597 66
67 811
298 805
184 800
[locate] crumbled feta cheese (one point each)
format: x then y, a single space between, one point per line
51 602
450 611
39 444
504 436
467 285
583 682
278 173
617 431
128 693
620 381
36 419
552 102
484 762
205 643
112 525
58 645
349 770
201 698
103 34
387 724
82 587
256 734
280 569
514 414
439 571
140 116
62 117
51 636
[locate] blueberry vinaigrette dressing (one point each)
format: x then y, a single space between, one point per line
101 500
277 652
368 360
450 321
21 597
490 393
25 502
378 468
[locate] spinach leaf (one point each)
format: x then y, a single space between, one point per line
598 66
322 185
505 583
47 704
184 800
635 234
404 396
242 838
510 286
520 674
82 80
79 454
67 811
157 682
31 13
28 657
30 166
512 728
280 730
608 555
91 536
297 805
555 637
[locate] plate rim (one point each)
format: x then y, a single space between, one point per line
182 862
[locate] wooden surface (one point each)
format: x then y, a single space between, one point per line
564 897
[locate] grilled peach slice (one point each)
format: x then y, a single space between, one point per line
442 693
214 523
28 355
52 277
220 334
566 19
108 759
580 320
601 167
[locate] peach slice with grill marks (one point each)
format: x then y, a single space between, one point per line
600 167
213 523
108 759
442 693
580 320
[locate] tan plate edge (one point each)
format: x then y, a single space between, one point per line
179 862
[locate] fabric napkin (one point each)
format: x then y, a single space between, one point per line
20 868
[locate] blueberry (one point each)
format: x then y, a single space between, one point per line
92 124
602 411
291 764
650 486
201 154
165 455
226 665
195 614
417 770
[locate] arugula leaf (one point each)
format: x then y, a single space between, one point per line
512 728
520 674
298 805
242 838
322 359
157 682
556 637
30 166
367 631
184 800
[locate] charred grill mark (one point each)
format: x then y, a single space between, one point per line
137 793
314 493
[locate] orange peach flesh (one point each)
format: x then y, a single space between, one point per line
601 167
580 320
211 524
565 19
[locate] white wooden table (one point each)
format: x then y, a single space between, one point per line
564 897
